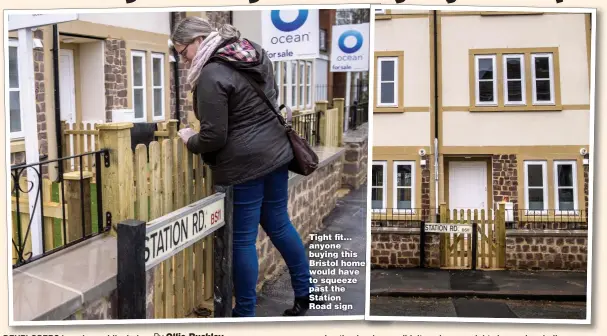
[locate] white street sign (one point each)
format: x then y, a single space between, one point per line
448 228
169 234
291 34
20 21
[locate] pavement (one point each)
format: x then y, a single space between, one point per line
498 284
476 308
349 219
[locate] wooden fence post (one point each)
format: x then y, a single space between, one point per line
501 238
79 221
117 177
222 273
339 103
172 128
444 247
130 277
322 106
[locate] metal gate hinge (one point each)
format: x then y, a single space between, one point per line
106 159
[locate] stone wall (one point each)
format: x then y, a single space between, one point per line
538 250
311 199
505 180
400 248
115 76
547 250
355 161
218 17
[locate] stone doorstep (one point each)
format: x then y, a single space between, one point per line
37 296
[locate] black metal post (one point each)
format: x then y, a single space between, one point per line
474 244
422 245
131 282
222 252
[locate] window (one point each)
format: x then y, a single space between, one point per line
323 39
284 88
16 127
486 83
158 86
309 85
536 189
565 185
521 79
542 79
276 67
302 84
387 85
514 79
138 75
293 82
404 181
378 186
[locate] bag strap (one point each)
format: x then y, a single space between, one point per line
259 92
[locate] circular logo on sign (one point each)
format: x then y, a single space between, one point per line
281 25
342 41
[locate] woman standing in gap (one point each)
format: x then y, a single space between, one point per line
246 147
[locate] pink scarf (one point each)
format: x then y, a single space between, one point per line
204 52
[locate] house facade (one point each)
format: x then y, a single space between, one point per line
474 109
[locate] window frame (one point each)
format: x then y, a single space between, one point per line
521 58
322 40
161 56
380 11
309 75
551 79
573 164
545 186
395 187
292 83
380 60
301 84
142 54
384 186
477 80
20 135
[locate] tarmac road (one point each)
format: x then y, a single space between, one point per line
475 308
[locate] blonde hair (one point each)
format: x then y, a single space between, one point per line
192 27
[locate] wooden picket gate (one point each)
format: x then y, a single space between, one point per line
457 248
147 184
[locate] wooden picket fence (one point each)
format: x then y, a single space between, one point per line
456 249
174 178
83 137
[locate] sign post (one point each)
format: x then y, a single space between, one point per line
27 102
142 247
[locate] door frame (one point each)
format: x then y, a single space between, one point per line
70 53
448 159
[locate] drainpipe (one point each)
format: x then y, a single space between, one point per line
436 93
231 17
57 97
173 17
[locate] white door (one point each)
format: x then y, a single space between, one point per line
67 85
468 185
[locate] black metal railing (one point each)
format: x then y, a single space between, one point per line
358 114
409 218
28 179
549 219
307 125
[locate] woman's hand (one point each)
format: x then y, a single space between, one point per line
185 134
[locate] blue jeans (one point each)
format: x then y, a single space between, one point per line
264 201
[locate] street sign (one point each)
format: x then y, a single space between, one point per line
350 48
448 228
20 21
170 234
291 34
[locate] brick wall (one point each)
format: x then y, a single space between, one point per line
400 248
115 76
355 160
40 88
